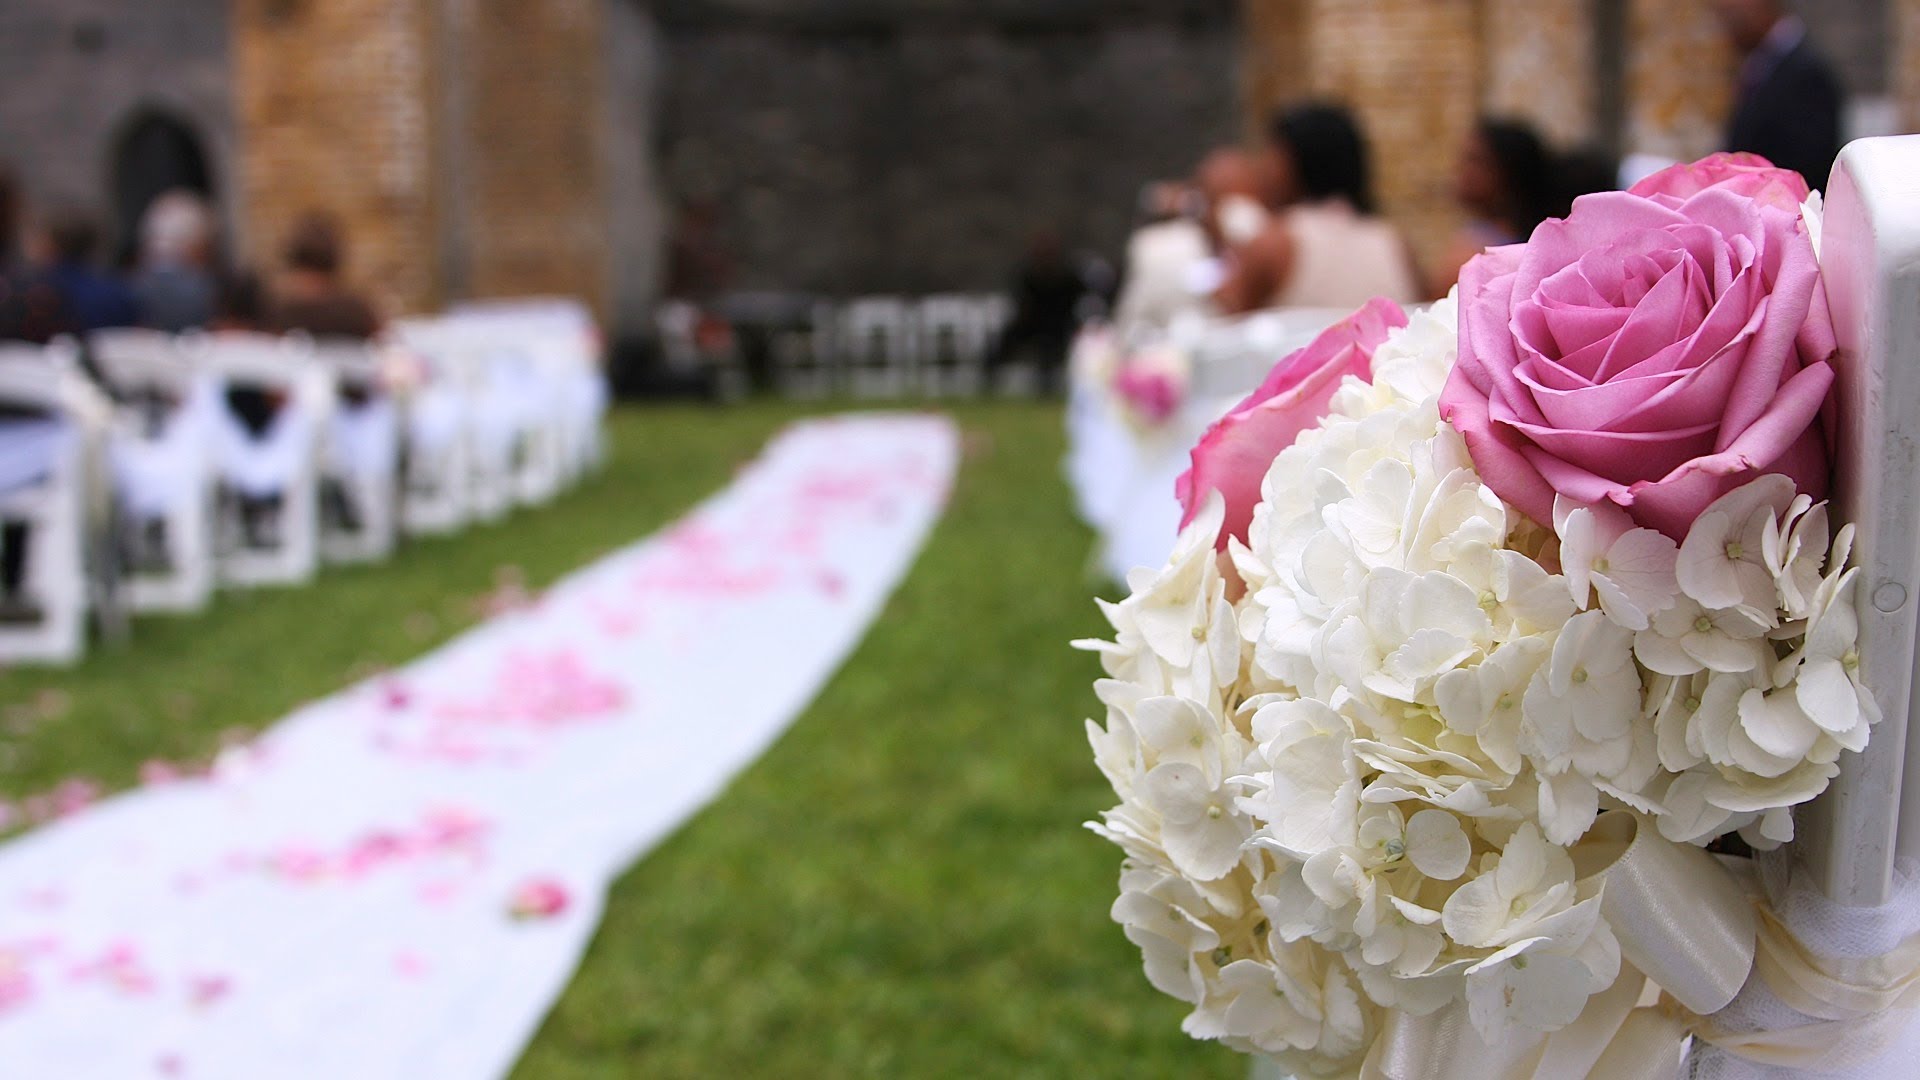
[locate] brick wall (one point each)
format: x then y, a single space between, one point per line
335 103
1906 60
1540 62
1679 78
1409 68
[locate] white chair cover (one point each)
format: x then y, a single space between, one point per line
157 472
267 464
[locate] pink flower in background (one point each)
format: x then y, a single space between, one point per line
1235 453
1652 351
539 898
1152 383
1749 175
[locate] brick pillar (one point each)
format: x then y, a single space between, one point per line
531 163
1680 74
333 100
1905 57
1275 65
1541 65
1410 69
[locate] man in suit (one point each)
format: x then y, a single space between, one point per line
1788 109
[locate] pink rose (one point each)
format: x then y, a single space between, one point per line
1743 174
1652 351
1235 453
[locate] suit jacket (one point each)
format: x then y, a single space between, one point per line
1791 115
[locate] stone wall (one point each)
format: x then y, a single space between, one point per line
336 101
75 73
915 147
636 220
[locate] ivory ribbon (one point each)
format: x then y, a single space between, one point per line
1689 942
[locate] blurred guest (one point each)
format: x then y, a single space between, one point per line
174 286
1583 171
1047 291
1172 264
31 309
65 246
698 268
240 304
1507 183
1328 248
310 294
1788 104
1236 196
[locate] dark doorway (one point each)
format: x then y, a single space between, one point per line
156 153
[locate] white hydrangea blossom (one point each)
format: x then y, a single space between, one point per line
1358 784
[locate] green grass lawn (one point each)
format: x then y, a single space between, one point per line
899 888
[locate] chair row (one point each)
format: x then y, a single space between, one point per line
186 463
873 347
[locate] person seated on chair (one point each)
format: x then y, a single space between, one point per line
1172 264
1507 182
63 246
175 287
1328 248
1047 292
310 294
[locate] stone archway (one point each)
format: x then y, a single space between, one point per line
155 152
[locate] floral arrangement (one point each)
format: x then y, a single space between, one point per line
1151 384
1145 382
1461 592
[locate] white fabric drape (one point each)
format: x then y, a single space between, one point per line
157 472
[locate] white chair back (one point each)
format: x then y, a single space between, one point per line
278 467
878 345
133 361
1853 833
45 484
954 334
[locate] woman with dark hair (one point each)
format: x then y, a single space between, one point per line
310 294
1327 248
1508 182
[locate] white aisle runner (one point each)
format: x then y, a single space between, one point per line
333 903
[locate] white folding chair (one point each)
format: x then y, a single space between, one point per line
161 454
438 430
43 487
677 328
877 346
270 513
360 460
806 359
1852 834
953 335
